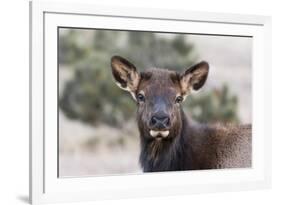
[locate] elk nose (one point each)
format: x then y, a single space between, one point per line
159 122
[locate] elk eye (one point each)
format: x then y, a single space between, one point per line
179 99
140 97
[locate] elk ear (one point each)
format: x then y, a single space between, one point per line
194 77
125 74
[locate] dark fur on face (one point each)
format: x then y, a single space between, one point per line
160 90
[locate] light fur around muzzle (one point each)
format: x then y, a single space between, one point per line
155 133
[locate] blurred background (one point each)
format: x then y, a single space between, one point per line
97 129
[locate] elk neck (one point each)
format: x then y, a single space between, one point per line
173 153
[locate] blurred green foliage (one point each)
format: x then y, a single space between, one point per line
217 105
92 96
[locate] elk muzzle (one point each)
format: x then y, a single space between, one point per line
159 122
159 125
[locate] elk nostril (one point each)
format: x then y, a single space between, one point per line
153 121
166 121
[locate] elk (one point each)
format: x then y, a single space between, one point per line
169 139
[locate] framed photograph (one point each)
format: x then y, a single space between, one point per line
130 102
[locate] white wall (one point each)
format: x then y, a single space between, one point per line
14 100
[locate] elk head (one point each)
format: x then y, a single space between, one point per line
159 94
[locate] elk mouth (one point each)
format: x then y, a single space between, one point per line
158 134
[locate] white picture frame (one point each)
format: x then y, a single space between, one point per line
45 186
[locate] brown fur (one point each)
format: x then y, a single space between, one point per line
220 146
